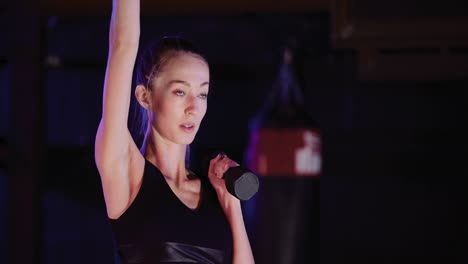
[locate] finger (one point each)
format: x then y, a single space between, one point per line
233 164
212 168
213 162
225 161
222 166
222 155
219 172
218 157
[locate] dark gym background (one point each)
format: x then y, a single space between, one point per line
386 81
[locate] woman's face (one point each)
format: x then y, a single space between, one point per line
179 98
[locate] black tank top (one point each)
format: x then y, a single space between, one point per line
159 228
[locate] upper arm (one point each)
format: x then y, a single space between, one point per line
121 175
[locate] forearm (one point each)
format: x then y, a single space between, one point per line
125 23
242 252
123 47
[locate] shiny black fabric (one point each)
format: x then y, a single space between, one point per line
159 228
181 253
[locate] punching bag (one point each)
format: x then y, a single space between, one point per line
284 151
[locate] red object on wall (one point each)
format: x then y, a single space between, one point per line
287 152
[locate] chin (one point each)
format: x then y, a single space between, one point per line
184 140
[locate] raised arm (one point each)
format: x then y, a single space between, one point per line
115 149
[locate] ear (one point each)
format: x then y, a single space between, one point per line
143 96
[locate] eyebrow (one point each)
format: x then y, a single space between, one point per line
186 83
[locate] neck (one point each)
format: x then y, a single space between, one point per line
168 156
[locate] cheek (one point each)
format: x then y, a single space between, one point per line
205 108
163 108
170 108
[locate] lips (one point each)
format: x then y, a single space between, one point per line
188 127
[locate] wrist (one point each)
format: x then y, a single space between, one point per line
229 203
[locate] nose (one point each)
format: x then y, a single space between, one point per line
193 106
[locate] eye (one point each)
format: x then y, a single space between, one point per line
203 96
179 93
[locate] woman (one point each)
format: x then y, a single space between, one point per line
159 210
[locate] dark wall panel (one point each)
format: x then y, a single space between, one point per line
3 216
74 101
4 100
